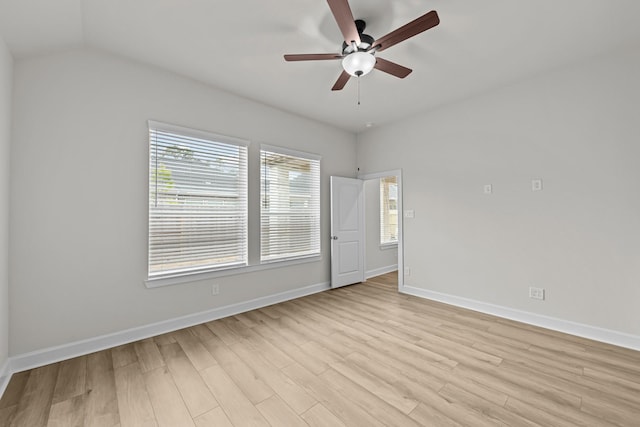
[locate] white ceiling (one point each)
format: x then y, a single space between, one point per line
238 45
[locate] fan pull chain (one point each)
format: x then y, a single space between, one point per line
358 90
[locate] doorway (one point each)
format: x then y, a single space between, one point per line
383 224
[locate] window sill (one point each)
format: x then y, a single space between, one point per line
233 271
388 246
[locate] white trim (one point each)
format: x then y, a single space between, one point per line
231 271
49 355
290 152
378 271
5 376
197 133
388 246
609 336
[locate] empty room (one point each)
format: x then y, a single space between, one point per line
319 213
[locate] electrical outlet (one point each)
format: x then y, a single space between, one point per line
536 293
536 185
407 271
215 289
488 189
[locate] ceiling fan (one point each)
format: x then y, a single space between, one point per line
359 49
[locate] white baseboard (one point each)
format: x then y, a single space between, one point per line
5 376
620 339
378 271
46 356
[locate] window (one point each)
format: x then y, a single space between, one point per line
388 210
197 201
290 204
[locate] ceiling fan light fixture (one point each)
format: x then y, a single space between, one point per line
359 49
358 63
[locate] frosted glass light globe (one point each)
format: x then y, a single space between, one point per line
358 63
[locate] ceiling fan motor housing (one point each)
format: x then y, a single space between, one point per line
365 39
357 61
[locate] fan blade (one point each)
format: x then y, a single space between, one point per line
342 80
423 23
344 18
392 68
312 56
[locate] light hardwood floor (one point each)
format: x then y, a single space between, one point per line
362 355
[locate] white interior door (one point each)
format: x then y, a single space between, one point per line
347 231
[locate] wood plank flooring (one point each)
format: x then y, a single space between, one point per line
362 355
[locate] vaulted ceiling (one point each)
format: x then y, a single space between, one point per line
238 45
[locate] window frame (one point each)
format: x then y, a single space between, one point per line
253 263
169 277
311 157
387 213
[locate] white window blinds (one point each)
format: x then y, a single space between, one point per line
388 210
197 201
290 204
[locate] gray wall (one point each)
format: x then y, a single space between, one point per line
575 128
78 207
79 194
6 71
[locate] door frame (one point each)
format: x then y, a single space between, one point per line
398 174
